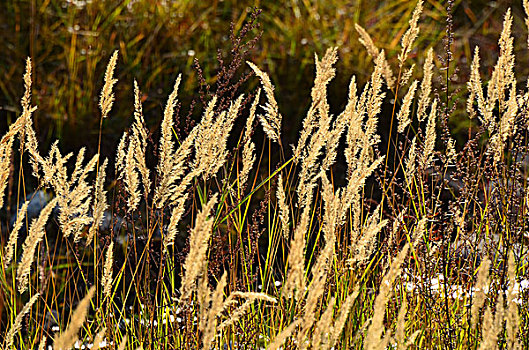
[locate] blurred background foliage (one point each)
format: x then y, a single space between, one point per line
70 42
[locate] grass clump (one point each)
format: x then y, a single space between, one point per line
360 236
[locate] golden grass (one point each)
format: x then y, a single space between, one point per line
333 270
35 235
66 339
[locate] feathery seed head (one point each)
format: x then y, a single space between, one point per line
67 339
426 86
13 235
196 261
271 121
106 281
411 34
36 233
107 96
404 114
17 324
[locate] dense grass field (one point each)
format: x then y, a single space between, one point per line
395 218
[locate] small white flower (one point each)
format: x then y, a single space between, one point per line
524 284
435 284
